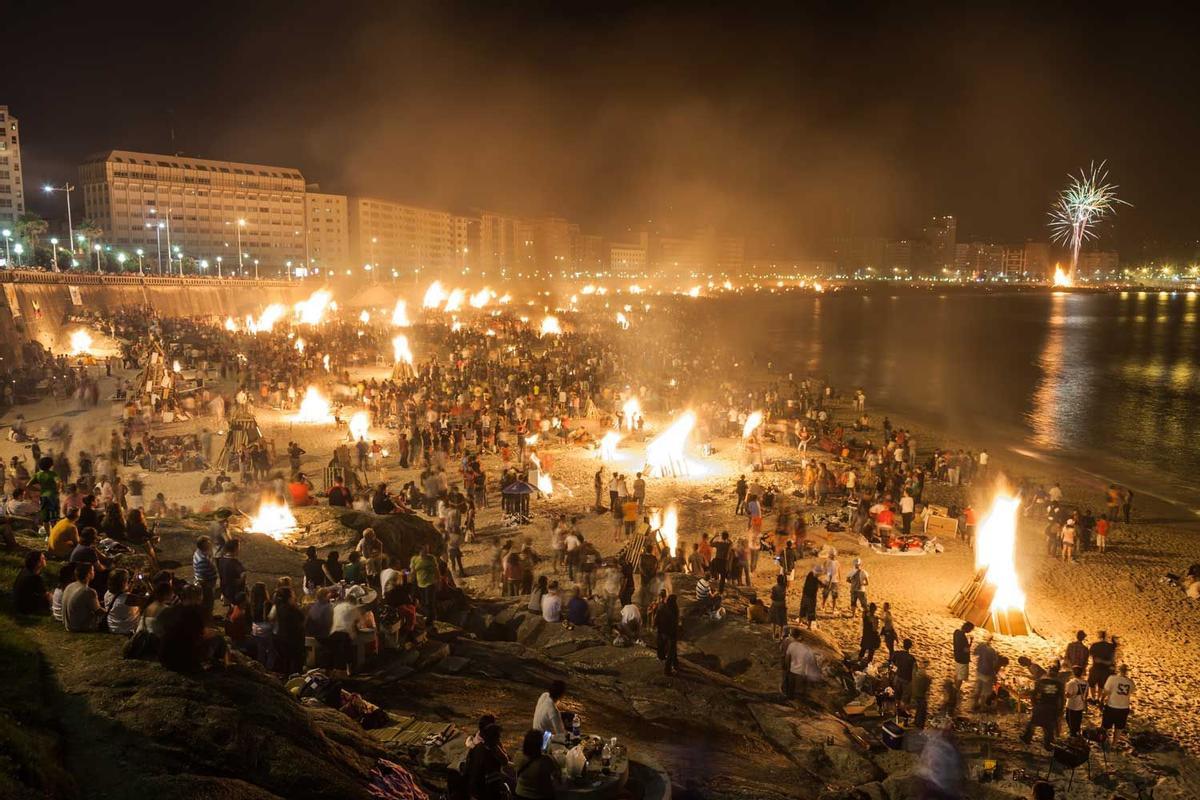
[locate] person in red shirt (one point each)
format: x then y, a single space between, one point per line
300 490
1102 533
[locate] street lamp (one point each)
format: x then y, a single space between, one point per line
96 248
256 269
121 260
54 251
18 248
158 228
241 223
177 252
7 234
204 264
219 275
66 189
140 252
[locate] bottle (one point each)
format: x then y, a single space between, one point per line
606 755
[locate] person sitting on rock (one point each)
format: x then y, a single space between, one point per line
578 611
552 604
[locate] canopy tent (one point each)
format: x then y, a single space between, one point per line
514 501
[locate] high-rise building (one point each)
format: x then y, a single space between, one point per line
499 243
12 187
545 245
1037 258
204 206
979 258
941 237
627 259
327 231
898 256
588 254
407 240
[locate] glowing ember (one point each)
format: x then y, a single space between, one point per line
608 446
273 518
400 315
360 422
622 320
995 549
230 325
1061 278
299 345
665 455
481 298
666 523
314 407
401 351
81 343
435 295
455 301
752 423
312 310
550 325
694 291
364 317
631 409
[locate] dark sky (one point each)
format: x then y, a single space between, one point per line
778 120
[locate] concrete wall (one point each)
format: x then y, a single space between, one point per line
44 301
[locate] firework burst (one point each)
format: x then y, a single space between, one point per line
1088 198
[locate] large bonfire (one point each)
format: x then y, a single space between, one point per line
993 598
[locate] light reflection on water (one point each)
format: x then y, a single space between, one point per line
1107 381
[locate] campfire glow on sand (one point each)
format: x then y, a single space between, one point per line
665 457
400 315
608 446
435 295
550 325
400 350
273 518
360 424
1061 278
81 342
993 598
666 522
312 310
314 407
752 423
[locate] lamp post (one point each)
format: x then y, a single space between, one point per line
241 223
140 252
256 269
204 264
96 248
18 248
54 251
66 189
7 234
219 275
121 260
177 252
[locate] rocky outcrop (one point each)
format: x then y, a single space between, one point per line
325 527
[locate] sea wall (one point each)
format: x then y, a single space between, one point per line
37 305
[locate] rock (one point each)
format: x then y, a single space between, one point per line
328 527
851 767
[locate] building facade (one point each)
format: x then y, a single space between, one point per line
12 186
327 231
405 240
499 244
203 206
941 237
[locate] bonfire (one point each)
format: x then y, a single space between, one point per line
993 598
273 518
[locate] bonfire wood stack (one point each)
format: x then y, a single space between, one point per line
974 604
243 432
157 381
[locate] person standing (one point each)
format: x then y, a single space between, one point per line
720 564
887 629
1049 696
1104 655
833 576
808 594
905 663
857 581
204 571
741 488
800 666
1076 702
639 493
1126 504
962 655
425 572
869 641
1118 690
666 624
907 508
987 664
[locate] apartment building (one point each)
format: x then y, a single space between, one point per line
12 187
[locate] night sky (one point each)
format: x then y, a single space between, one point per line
780 121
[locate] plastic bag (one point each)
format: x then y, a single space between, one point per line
576 761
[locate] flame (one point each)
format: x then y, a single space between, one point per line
694 291
364 317
995 547
665 454
81 342
455 301
401 351
550 325
230 325
545 483
273 518
314 407
666 522
400 315
299 345
635 289
622 320
435 295
608 446
360 422
752 422
589 289
727 285
266 321
325 361
631 409
1061 278
818 287
312 310
455 326
481 298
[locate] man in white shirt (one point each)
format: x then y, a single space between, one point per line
1056 494
1117 691
552 604
390 576
546 716
631 622
1077 690
907 507
833 576
800 663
